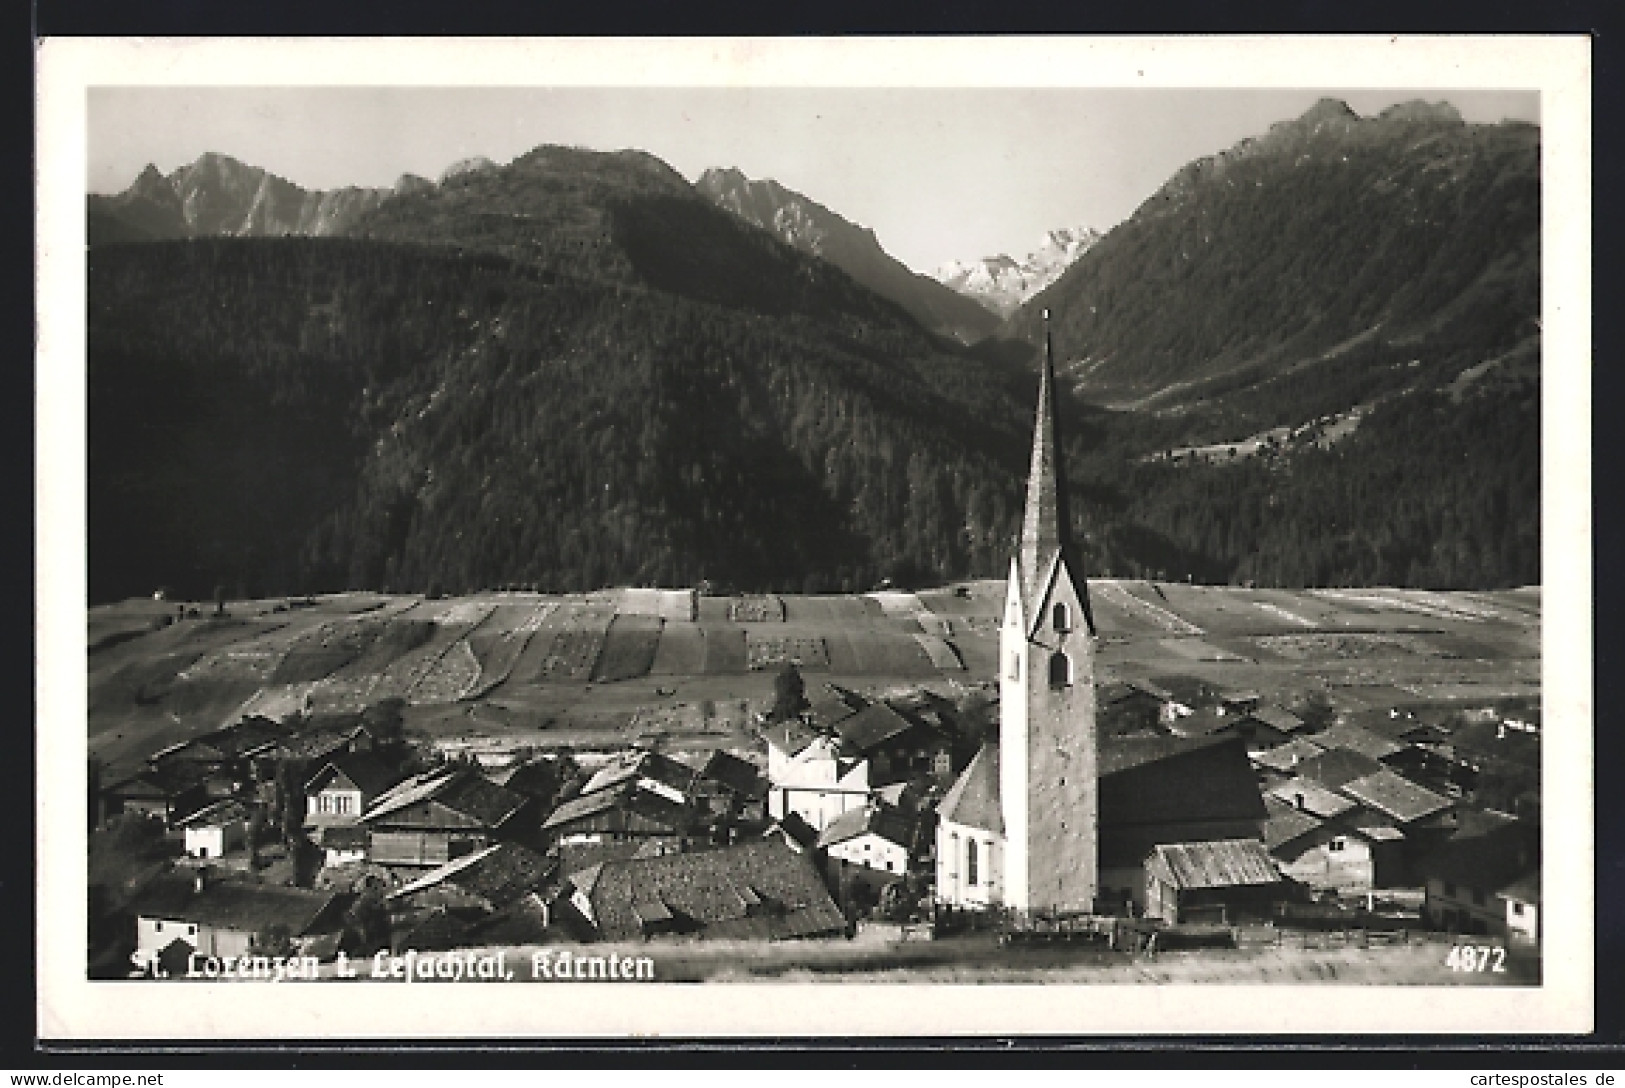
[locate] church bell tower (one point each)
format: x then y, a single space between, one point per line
1048 765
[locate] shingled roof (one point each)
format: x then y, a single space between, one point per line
1352 738
753 891
1396 796
498 874
1227 863
463 791
234 905
1336 767
871 727
1312 798
1286 757
727 769
1208 779
881 820
371 775
630 766
1285 823
973 800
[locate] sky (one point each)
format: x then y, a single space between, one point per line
938 174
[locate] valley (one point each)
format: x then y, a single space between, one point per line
497 672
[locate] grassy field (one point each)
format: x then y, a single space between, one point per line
597 669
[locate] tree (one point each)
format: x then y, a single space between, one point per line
386 721
290 802
789 694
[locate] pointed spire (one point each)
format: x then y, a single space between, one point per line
1046 527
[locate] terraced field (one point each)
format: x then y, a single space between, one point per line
598 668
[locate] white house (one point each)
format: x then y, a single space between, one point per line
875 837
213 831
811 776
1523 909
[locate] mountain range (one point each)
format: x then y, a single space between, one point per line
1002 283
813 228
577 369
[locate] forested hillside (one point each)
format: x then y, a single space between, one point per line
310 414
575 371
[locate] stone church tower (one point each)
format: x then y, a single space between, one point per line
1047 747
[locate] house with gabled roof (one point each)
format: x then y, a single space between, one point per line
345 786
1353 738
1281 762
760 890
1485 879
486 880
874 837
654 771
634 809
432 818
1267 726
217 917
213 831
1335 854
1337 766
1405 804
168 792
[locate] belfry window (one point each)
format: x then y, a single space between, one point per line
1060 671
1061 617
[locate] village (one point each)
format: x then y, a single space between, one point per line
1058 765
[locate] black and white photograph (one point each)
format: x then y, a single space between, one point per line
1066 528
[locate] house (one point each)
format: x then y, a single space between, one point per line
1348 737
970 826
812 776
225 917
1522 898
526 920
1407 805
1127 709
899 741
1266 726
166 793
213 831
1485 879
344 787
1181 695
343 844
1282 761
432 818
875 837
1240 702
653 771
1307 795
1336 767
731 789
1335 854
632 809
1211 881
540 778
759 890
486 880
226 760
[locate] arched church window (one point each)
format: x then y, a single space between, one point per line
1061 616
1060 670
953 850
970 862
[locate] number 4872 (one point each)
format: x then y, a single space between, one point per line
1476 957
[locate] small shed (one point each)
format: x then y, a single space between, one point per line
1217 881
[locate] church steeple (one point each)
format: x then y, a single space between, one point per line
1046 528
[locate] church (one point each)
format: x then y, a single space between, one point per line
1052 819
